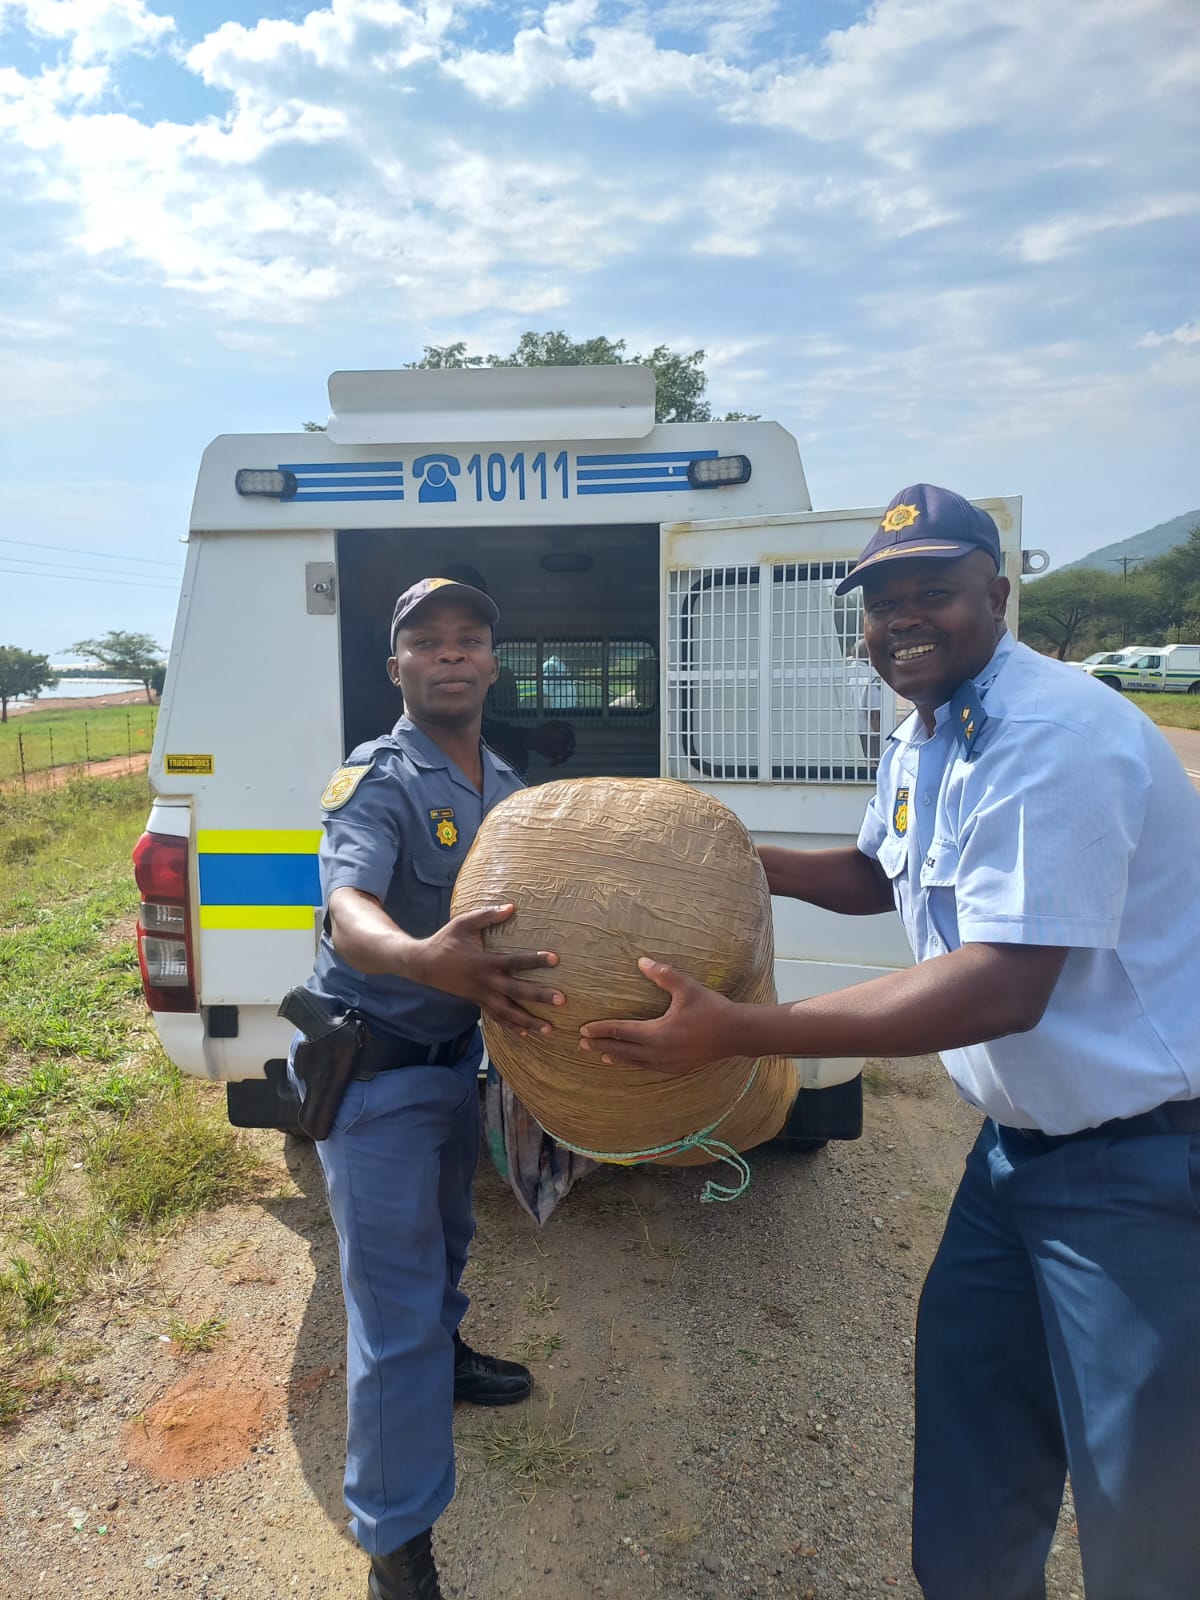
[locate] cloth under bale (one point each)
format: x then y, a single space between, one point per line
538 1170
602 871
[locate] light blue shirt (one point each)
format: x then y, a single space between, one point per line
1072 823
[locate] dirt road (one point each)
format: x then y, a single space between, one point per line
723 1410
1186 745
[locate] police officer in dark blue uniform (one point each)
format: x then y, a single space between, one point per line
400 1159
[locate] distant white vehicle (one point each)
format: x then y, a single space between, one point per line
1150 669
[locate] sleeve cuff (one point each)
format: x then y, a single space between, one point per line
1084 933
348 878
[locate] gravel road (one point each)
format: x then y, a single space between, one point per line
722 1410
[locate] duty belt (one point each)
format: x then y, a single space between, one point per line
380 1053
1175 1116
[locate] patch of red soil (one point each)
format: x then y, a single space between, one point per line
200 1428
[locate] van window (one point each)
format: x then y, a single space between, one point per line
764 679
588 677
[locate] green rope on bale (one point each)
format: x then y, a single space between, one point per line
715 1148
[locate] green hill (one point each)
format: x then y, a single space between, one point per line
1143 546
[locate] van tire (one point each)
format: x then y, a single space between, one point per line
1113 683
818 1115
1194 688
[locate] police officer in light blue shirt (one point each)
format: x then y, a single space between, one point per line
399 1162
1039 840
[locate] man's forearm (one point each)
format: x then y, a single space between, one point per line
842 880
977 993
367 939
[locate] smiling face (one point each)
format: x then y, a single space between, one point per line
444 663
930 625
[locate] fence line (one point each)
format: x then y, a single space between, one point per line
78 744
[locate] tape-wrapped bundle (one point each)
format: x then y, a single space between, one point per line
602 871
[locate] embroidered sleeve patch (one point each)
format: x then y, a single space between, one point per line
342 785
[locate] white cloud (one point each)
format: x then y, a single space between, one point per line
93 30
1060 236
892 189
1186 333
41 387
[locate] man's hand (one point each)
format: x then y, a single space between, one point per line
456 960
696 1028
553 741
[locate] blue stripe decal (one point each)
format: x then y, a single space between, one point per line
643 457
615 474
262 880
341 466
626 488
361 494
383 480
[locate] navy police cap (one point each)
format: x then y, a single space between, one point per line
443 588
924 520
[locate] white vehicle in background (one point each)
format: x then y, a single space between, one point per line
1150 669
681 561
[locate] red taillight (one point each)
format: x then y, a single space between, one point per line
160 866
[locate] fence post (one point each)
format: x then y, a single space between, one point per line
50 731
87 748
129 740
21 756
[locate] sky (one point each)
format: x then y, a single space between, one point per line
944 240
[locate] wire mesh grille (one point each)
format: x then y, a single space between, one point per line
764 680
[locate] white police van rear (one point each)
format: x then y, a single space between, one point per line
664 588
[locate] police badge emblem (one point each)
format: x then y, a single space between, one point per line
900 812
441 824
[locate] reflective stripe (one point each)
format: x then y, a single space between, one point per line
259 917
258 841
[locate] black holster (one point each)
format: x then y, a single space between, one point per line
324 1062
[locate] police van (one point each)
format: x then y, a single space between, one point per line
1149 669
665 589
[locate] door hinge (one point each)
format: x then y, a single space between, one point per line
320 589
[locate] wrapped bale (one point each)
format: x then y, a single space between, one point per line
602 871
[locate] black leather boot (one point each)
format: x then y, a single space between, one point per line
487 1380
406 1574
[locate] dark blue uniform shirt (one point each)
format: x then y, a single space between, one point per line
401 835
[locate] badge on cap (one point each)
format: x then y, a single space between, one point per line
900 812
342 785
441 825
900 517
967 717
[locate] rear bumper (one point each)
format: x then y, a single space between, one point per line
261 1036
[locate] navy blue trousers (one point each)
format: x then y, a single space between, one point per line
399 1167
1059 1329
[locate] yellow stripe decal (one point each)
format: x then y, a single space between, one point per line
259 917
258 841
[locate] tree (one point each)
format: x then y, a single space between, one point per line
125 655
1063 607
22 674
680 380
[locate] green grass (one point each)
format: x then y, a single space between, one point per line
68 979
49 738
1169 710
103 1147
196 1336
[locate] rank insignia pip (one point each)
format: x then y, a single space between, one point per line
441 823
967 718
900 812
342 785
